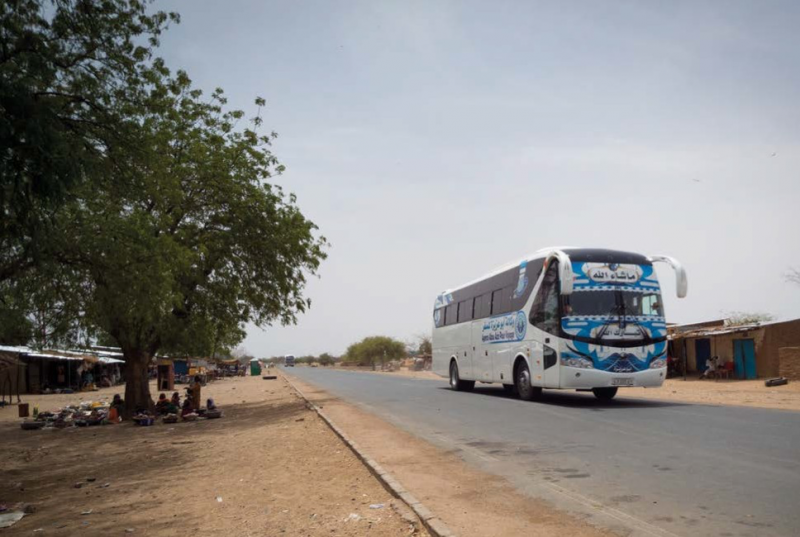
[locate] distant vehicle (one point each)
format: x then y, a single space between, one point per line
288 360
571 318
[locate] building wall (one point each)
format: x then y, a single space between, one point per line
789 359
12 381
768 339
778 335
722 346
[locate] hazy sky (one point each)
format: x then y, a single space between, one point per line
432 141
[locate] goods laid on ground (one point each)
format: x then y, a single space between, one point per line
92 413
86 414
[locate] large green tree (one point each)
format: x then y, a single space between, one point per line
194 242
169 235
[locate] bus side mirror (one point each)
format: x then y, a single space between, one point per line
681 280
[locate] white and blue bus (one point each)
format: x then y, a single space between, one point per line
566 318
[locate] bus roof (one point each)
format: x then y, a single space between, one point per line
597 255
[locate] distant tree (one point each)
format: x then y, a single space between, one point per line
375 350
425 345
793 276
241 354
325 359
740 318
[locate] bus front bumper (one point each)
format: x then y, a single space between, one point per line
577 378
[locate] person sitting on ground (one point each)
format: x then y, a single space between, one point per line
188 410
162 404
115 409
176 399
118 403
210 404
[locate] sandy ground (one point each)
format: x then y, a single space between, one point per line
269 467
470 502
751 393
722 392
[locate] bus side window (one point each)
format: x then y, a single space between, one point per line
465 310
438 317
450 314
486 305
497 302
544 313
507 292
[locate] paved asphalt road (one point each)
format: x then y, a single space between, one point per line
655 468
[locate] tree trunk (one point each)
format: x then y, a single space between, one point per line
137 383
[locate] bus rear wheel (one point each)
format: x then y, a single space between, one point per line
604 394
455 380
522 381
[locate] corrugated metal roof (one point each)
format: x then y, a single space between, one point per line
717 331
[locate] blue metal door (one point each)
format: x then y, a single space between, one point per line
744 358
702 352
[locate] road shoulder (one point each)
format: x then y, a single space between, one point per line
469 501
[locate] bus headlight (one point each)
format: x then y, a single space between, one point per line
658 363
580 363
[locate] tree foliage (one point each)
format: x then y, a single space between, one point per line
425 346
375 350
325 359
793 276
741 318
71 73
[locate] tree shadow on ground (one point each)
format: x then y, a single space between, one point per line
112 470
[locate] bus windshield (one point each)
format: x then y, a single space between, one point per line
613 303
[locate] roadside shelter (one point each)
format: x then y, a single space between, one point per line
755 350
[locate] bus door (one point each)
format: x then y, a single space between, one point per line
546 316
552 377
481 354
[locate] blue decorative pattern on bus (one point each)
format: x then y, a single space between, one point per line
593 277
504 328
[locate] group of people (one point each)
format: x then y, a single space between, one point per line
191 404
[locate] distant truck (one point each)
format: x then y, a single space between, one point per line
288 360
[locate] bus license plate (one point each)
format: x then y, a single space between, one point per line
622 382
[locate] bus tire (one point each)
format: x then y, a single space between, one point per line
455 380
604 394
522 382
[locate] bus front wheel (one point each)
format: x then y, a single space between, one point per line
522 380
455 380
604 394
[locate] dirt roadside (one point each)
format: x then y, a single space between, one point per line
470 502
269 467
749 393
